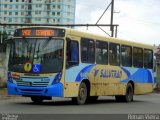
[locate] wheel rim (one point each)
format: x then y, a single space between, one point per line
82 93
129 94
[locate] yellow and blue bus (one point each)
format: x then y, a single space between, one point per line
46 62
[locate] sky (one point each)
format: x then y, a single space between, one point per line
139 20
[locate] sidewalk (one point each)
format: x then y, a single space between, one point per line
3 93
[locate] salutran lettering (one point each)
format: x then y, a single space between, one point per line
109 73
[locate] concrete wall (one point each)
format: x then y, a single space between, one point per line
4 56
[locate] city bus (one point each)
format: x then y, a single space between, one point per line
47 62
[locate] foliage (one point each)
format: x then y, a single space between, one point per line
158 75
4 36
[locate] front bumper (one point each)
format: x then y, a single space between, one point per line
55 90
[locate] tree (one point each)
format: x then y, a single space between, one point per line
3 36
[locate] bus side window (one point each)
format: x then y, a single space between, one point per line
87 50
126 56
148 58
138 57
101 52
72 53
114 54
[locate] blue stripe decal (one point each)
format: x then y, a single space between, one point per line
140 76
83 74
150 80
126 71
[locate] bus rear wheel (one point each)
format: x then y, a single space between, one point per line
128 97
129 93
37 99
82 95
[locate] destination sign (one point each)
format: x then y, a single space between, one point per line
39 32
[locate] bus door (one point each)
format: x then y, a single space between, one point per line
72 66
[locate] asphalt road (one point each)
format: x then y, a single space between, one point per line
105 105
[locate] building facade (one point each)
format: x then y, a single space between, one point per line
36 12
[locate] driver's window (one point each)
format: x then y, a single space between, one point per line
72 53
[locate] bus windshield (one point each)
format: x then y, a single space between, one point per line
45 54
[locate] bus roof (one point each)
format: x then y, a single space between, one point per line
110 39
97 37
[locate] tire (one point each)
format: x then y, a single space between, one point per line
129 93
37 99
128 97
82 95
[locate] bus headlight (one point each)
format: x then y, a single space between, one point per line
57 78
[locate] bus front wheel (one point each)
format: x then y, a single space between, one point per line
37 99
82 95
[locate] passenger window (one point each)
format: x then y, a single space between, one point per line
72 53
137 57
114 54
148 58
87 50
101 52
126 56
